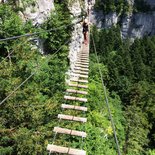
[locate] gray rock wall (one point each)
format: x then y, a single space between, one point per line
39 12
76 40
133 25
142 25
151 2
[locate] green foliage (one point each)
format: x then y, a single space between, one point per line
27 3
29 115
130 74
59 18
100 139
136 131
151 152
107 6
142 6
122 7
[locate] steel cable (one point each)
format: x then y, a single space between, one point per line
31 75
36 33
106 100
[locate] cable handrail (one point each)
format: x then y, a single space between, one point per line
107 101
36 33
10 53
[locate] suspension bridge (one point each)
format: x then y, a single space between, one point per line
78 82
75 99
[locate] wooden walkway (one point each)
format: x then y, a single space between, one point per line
79 80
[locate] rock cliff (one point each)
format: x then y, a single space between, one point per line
133 25
77 38
38 11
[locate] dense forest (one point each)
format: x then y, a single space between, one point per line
25 122
28 116
130 74
122 7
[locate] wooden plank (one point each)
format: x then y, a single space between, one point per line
77 85
77 80
80 72
79 75
76 91
73 98
82 62
80 65
82 69
83 52
74 107
70 132
83 57
72 118
83 66
60 149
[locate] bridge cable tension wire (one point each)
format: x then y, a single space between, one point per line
31 75
106 99
10 53
35 33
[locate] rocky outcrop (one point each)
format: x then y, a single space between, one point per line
103 20
38 12
77 38
133 25
130 2
151 2
3 1
97 18
143 24
126 25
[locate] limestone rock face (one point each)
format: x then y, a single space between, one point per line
3 1
133 25
38 12
77 36
143 24
102 20
111 19
151 2
76 40
126 25
97 18
130 2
